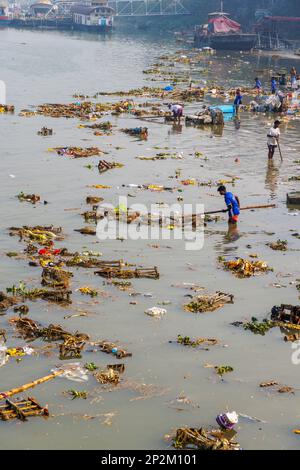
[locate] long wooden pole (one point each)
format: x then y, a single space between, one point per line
280 153
14 391
266 206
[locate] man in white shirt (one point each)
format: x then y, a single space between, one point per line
273 138
177 111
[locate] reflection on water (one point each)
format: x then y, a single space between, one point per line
233 234
271 182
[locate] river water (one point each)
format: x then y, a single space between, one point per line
40 67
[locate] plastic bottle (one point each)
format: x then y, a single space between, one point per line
3 356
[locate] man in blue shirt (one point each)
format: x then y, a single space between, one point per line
258 85
273 85
232 203
238 100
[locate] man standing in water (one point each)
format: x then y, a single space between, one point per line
177 111
273 139
258 85
233 205
273 85
238 101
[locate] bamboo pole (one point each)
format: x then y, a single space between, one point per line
266 206
280 153
14 391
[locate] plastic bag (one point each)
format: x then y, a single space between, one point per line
73 371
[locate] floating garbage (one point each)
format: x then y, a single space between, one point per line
208 116
280 388
56 277
121 273
112 348
72 347
21 309
141 132
293 198
155 312
86 230
195 342
45 131
244 268
110 375
3 354
288 315
7 108
221 370
162 156
88 291
279 245
105 166
227 420
103 126
59 295
208 303
77 394
257 327
33 198
77 152
40 234
202 439
7 301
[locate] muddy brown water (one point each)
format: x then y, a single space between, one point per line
41 67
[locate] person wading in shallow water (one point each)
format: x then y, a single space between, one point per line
233 205
177 111
273 139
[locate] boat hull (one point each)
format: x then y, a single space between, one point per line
227 42
4 21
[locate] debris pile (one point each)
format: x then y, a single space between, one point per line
122 273
201 439
244 268
110 375
112 348
280 245
208 303
56 277
45 131
195 342
33 198
78 152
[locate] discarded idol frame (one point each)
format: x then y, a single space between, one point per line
21 409
121 273
208 303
